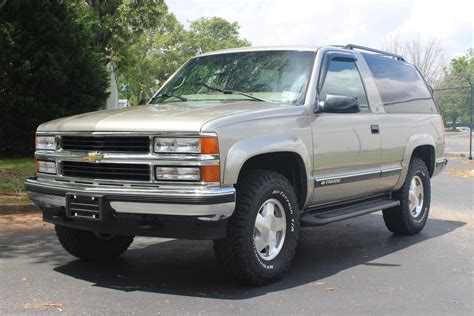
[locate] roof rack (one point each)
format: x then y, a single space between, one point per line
381 52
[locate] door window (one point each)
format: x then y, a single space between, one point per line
343 78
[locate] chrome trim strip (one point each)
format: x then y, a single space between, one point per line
354 177
219 211
391 172
59 178
348 175
143 191
172 159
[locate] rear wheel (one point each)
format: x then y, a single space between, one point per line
415 195
90 246
263 231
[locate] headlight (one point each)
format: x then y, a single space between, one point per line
45 142
178 173
177 145
192 145
43 166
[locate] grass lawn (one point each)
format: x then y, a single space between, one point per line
13 173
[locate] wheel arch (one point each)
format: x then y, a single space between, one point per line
284 154
421 146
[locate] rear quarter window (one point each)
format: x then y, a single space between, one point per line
401 87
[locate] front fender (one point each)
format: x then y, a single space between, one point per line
245 149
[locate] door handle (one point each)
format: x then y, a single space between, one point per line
375 129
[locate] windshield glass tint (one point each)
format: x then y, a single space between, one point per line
279 76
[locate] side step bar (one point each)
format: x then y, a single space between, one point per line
326 216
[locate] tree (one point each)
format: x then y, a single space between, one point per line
119 24
427 54
153 57
208 34
453 94
49 68
157 53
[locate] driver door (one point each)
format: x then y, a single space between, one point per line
346 145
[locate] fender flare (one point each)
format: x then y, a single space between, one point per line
245 149
412 143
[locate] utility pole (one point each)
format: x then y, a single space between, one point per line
468 79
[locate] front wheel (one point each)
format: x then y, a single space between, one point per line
90 246
415 195
263 232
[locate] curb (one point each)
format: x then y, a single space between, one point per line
457 154
11 208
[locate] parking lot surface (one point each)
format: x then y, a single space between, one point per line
457 143
351 267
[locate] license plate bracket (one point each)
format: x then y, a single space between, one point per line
85 206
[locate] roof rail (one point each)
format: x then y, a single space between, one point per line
381 52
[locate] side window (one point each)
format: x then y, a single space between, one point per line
343 78
401 87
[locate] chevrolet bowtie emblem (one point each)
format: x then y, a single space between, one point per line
93 156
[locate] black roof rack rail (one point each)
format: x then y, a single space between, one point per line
381 52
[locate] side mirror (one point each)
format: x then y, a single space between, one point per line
339 104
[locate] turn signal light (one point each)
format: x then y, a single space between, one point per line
210 173
209 145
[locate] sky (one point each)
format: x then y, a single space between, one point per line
317 23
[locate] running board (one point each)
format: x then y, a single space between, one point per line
339 213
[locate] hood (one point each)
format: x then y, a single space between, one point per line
176 116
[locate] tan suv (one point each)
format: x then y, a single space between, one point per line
242 147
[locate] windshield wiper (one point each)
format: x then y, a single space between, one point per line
234 92
170 95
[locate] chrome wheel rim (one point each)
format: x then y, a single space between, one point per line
270 229
416 196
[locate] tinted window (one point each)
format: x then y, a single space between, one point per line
400 85
343 78
280 76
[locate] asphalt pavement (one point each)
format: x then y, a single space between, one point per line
458 143
351 267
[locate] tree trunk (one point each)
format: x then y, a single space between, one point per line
112 101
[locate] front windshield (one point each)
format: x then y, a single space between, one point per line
276 76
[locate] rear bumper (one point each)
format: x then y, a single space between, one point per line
192 214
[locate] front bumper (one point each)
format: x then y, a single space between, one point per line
171 213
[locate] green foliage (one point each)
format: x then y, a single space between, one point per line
153 57
455 103
157 53
119 23
13 173
49 68
209 34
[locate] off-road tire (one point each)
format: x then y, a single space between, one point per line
91 247
236 252
399 220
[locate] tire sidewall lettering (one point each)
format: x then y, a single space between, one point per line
291 228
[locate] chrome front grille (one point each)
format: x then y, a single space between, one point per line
107 171
118 159
135 144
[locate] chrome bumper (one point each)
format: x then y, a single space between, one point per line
207 204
